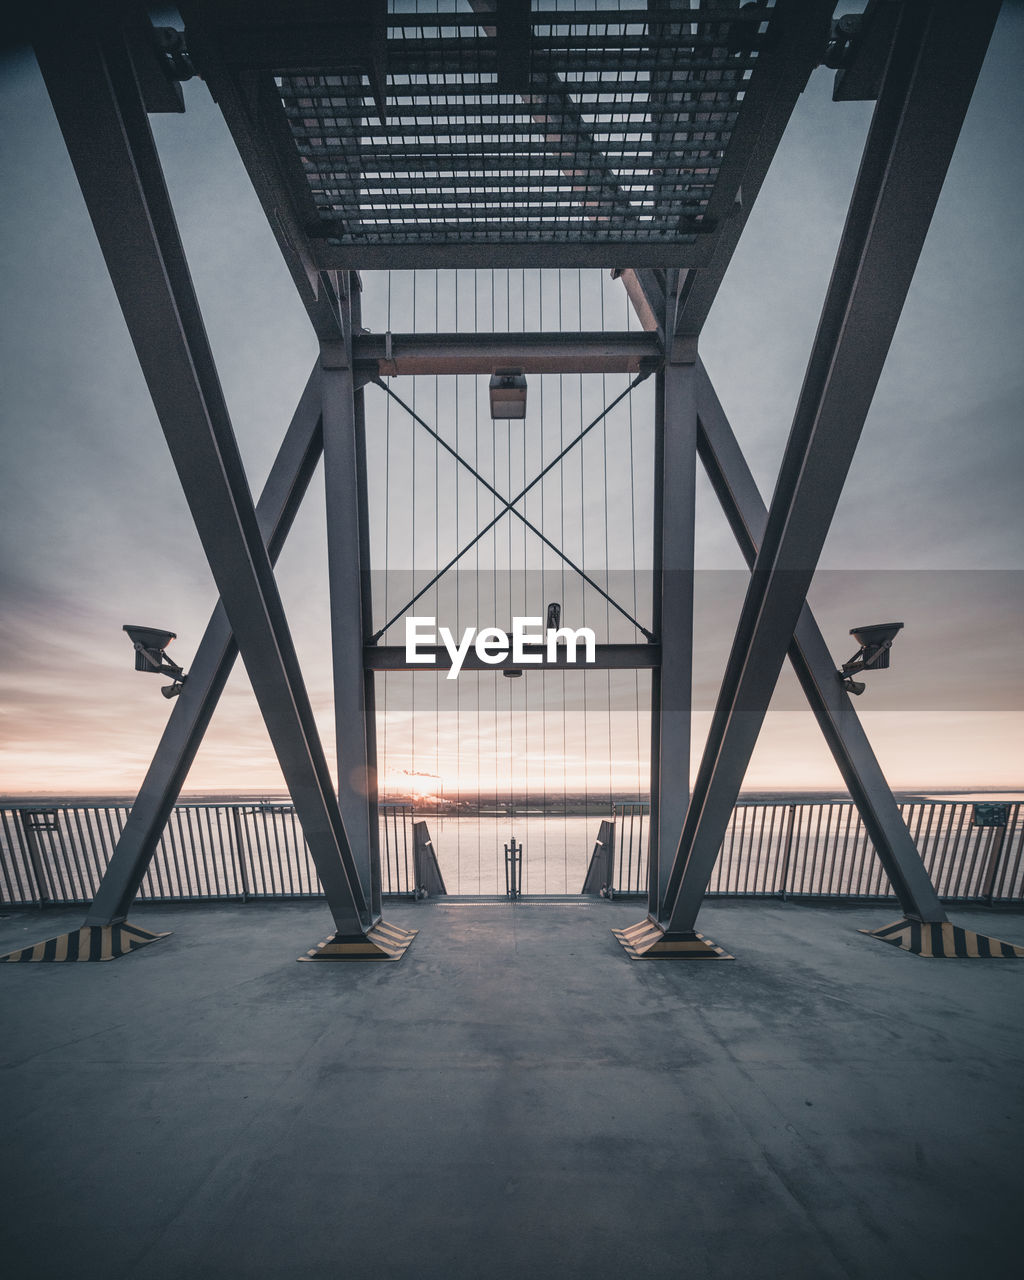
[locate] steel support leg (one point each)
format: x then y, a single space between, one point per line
282 495
92 86
346 553
936 56
832 706
369 676
671 683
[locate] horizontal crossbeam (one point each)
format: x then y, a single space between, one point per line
486 248
400 354
607 657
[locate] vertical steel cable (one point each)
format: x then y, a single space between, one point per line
607 557
437 560
478 681
456 827
583 566
387 541
636 600
561 517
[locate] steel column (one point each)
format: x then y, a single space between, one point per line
936 56
366 603
671 685
832 706
799 35
95 95
208 673
345 499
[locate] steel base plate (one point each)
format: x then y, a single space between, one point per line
945 940
382 942
645 941
100 942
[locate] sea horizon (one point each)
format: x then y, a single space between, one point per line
560 802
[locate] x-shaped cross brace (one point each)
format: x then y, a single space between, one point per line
509 507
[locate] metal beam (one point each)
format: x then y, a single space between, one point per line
554 111
645 289
832 706
479 252
400 354
798 36
366 604
672 683
281 194
799 31
208 673
95 95
345 500
608 657
937 54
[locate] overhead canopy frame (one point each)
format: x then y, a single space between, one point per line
503 136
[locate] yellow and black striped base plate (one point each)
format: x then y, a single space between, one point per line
645 941
382 942
944 940
96 942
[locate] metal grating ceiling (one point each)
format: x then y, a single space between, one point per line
429 133
618 135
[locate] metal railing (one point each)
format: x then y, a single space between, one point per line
57 854
820 849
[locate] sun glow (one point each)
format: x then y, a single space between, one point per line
410 782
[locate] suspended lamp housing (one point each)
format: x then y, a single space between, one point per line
508 394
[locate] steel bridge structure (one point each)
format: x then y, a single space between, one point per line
628 137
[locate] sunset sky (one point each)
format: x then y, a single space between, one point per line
95 531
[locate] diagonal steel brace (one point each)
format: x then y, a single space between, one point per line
935 59
208 673
731 479
92 85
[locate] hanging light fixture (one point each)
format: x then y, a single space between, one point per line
508 394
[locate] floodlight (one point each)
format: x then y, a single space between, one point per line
508 394
149 644
875 642
873 654
554 616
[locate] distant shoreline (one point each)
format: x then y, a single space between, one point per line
577 804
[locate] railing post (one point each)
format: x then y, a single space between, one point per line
427 873
236 840
997 839
35 861
788 849
601 871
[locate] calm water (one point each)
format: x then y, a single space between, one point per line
556 851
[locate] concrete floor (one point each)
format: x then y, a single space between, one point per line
515 1099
